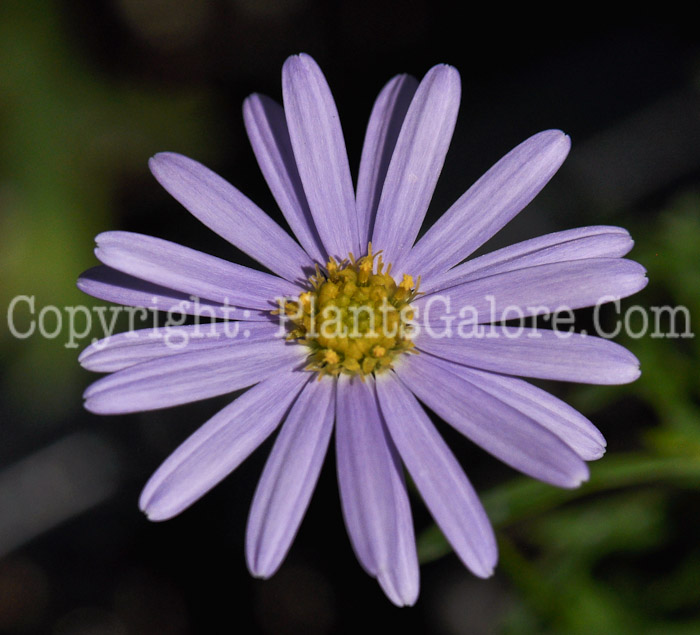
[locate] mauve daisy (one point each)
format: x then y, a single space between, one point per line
366 384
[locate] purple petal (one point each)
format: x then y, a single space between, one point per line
417 162
573 244
373 494
267 130
319 149
177 379
552 413
219 446
289 477
223 209
447 492
189 271
508 434
535 290
540 353
111 285
383 130
488 204
117 352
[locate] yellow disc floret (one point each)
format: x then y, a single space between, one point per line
354 319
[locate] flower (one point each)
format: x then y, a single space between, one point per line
365 385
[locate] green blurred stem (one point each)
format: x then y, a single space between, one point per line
522 497
526 578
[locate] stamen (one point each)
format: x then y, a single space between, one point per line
331 357
354 319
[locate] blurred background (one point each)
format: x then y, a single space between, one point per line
90 90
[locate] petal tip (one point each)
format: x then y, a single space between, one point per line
307 59
92 407
485 573
105 236
628 366
83 285
634 374
260 568
161 161
301 62
150 508
252 102
97 404
561 139
485 566
553 140
597 453
157 159
85 355
405 595
448 76
579 478
154 517
444 68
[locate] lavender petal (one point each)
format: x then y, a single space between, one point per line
219 446
573 244
116 352
319 149
186 270
383 129
447 492
552 413
111 285
416 162
288 480
373 494
536 290
233 216
488 204
178 379
503 431
269 136
539 353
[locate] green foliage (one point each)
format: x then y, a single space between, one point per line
67 136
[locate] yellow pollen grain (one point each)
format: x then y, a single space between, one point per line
331 357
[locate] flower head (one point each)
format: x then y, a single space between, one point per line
331 339
355 319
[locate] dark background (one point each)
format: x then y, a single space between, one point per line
90 90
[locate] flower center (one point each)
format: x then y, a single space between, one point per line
355 319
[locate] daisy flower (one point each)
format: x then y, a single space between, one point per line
360 324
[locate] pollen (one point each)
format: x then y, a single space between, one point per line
331 357
354 318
